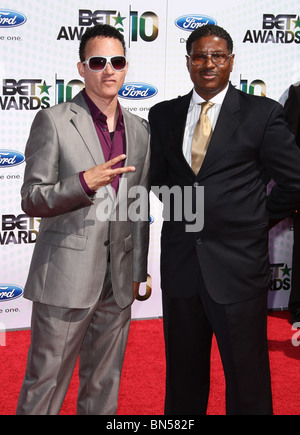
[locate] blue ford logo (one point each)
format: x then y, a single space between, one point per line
137 91
10 158
10 18
192 22
8 292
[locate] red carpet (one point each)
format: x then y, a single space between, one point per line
142 385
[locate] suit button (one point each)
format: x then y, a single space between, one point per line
196 184
199 242
106 243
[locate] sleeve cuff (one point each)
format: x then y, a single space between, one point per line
85 187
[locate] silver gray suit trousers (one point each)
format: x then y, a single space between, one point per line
58 335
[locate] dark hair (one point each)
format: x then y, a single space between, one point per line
97 31
209 30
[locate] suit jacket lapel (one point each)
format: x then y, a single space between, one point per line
130 135
176 132
83 122
228 122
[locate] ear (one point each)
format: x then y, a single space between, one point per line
231 63
187 62
81 69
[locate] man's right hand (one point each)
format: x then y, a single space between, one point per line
102 175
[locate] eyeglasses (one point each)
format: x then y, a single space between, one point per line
99 63
217 58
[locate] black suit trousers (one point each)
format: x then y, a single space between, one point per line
241 333
294 302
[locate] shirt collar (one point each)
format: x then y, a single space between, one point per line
218 99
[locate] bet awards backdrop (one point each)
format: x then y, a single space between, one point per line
39 52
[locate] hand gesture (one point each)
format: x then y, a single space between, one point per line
102 175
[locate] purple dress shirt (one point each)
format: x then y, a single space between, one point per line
112 144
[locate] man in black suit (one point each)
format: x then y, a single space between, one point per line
216 280
292 112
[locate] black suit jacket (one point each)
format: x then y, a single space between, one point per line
251 144
292 111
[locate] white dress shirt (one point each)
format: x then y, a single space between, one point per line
193 117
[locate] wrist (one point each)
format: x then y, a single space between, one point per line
84 185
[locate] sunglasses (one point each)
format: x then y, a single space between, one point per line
99 63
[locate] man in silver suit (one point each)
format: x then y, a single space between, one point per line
85 271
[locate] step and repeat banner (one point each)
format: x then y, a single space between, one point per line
39 52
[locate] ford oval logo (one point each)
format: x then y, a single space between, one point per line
10 18
192 22
137 91
8 292
10 158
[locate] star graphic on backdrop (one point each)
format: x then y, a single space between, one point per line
119 20
297 22
286 270
44 88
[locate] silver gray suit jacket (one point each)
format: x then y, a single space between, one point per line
69 261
